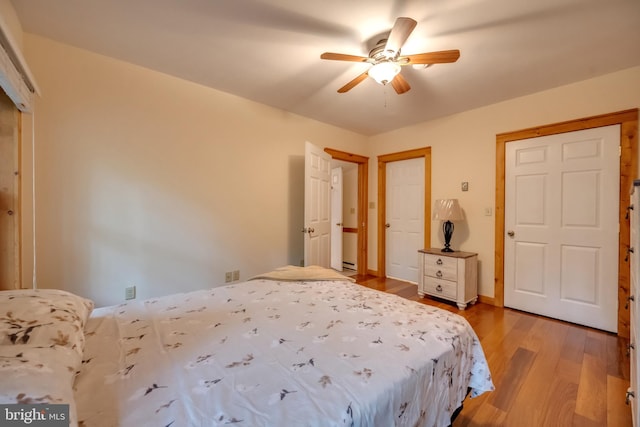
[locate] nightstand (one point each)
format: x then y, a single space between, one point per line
449 275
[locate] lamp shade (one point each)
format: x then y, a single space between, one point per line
384 72
447 210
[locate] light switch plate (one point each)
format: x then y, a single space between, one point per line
465 186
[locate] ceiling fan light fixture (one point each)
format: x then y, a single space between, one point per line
390 54
386 61
384 72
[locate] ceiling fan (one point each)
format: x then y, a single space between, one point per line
387 60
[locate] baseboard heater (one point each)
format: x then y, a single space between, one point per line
349 265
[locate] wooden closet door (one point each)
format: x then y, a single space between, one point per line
9 194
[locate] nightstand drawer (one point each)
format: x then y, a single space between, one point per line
441 267
439 287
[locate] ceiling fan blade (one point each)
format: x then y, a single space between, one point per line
353 83
400 84
399 34
441 57
343 57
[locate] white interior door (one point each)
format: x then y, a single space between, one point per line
317 214
336 218
405 218
561 226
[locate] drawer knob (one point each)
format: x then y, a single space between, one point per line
438 274
439 261
439 288
630 347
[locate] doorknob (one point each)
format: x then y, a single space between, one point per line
511 233
308 230
387 225
629 298
630 394
339 224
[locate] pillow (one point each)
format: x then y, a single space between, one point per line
32 375
43 318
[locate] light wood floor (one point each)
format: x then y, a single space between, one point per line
546 372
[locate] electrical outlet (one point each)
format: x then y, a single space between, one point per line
236 275
130 292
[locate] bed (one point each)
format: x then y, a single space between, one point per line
278 350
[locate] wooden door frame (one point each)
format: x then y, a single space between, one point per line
382 199
363 202
628 121
11 233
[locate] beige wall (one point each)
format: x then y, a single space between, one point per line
463 149
146 179
11 22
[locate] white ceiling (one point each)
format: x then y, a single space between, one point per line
269 50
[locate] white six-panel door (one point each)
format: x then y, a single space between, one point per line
405 218
317 213
561 226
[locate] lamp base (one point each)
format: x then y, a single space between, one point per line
447 230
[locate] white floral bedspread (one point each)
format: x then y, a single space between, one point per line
268 353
